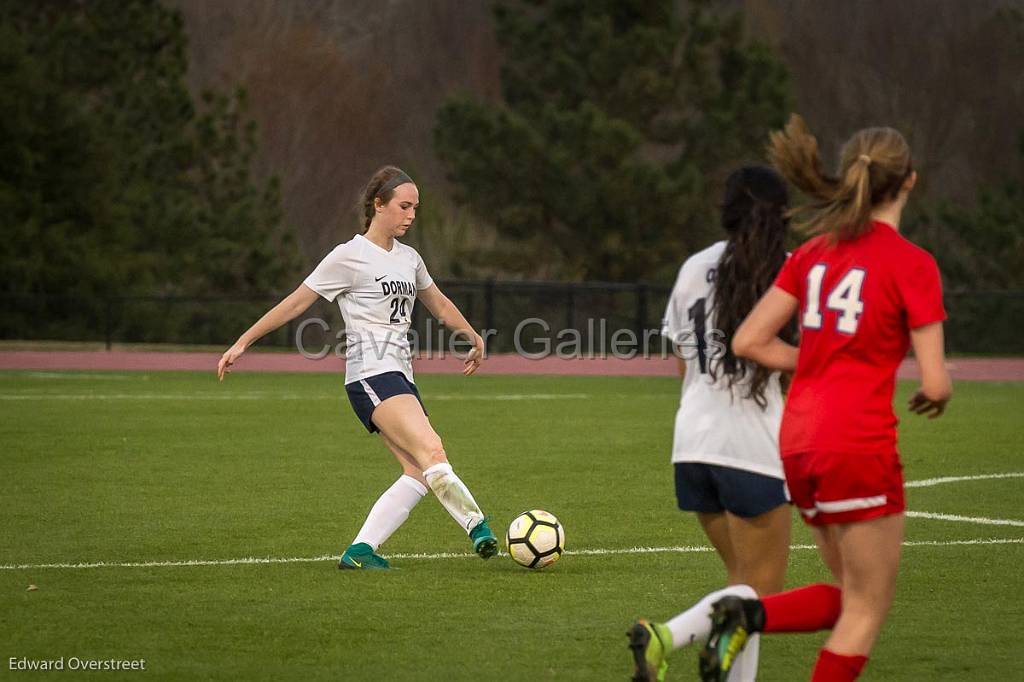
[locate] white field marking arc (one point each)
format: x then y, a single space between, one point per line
273 396
685 549
981 520
928 482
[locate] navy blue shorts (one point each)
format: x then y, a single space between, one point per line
710 488
366 394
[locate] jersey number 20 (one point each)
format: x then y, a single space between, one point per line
399 310
844 299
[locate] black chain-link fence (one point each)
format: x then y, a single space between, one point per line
593 317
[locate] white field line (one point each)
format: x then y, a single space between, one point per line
928 482
510 396
145 396
274 396
964 519
82 375
685 549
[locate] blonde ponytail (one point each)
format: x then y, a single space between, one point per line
794 153
873 164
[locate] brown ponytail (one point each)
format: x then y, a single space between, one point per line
372 191
873 165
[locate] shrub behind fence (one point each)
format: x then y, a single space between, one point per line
979 321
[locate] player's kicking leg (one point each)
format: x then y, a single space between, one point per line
402 420
484 541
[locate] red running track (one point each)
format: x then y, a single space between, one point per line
967 369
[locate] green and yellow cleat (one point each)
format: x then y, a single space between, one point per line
361 556
729 634
484 542
650 643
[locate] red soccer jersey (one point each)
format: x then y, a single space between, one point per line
859 299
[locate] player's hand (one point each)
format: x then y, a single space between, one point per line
474 357
228 359
919 403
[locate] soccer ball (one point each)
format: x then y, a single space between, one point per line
535 539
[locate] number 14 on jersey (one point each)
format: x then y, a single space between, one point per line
844 299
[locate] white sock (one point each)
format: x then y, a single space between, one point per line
390 511
453 495
744 668
693 626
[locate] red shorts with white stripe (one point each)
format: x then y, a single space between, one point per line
844 488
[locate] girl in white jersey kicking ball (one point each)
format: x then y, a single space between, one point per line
376 280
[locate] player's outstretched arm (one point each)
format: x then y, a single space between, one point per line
441 307
293 305
758 336
936 386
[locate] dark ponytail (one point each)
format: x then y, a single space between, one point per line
753 215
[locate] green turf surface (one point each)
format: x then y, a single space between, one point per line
172 466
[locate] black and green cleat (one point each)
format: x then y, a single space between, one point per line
361 556
484 542
650 643
729 634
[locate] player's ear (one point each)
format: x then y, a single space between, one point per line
909 183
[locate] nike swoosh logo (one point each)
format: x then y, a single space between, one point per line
358 565
379 278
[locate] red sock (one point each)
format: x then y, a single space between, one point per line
833 667
805 609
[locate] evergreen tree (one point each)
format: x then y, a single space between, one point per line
978 247
114 181
618 118
52 181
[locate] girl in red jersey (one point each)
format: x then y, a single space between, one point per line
863 296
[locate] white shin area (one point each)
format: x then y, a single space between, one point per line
693 626
390 511
453 495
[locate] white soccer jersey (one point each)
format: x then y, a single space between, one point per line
376 290
714 424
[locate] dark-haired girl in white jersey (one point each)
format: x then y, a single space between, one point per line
376 281
725 451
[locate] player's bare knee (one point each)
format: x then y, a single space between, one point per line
435 454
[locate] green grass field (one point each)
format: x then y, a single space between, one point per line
167 467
